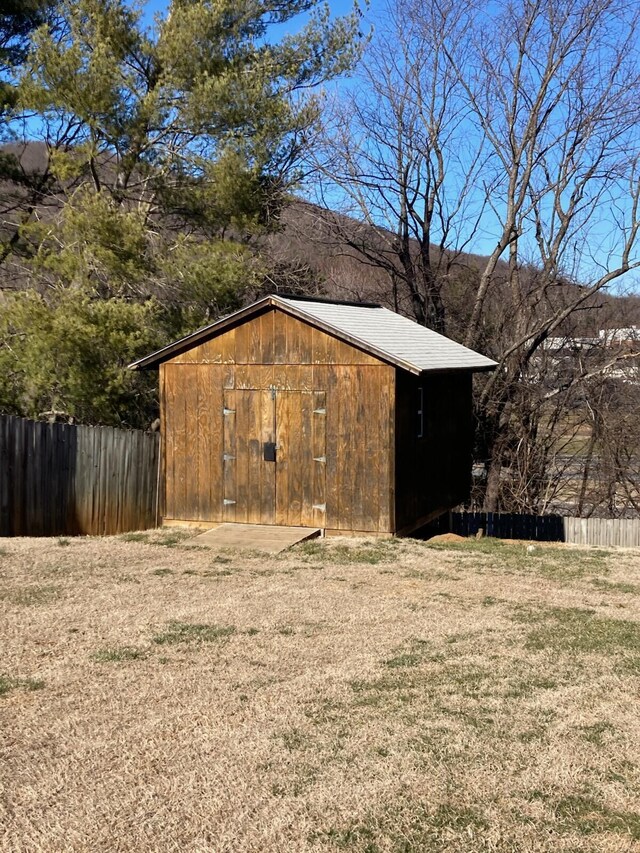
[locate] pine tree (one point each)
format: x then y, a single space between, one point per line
169 149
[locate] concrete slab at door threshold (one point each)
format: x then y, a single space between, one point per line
254 537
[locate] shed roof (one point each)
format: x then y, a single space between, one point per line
372 328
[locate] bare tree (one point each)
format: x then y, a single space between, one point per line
515 122
396 147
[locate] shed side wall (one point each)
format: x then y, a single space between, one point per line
359 430
433 473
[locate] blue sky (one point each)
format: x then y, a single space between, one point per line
485 240
338 7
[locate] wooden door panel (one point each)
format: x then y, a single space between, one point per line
285 462
306 462
319 459
243 409
249 481
291 490
229 457
267 503
301 458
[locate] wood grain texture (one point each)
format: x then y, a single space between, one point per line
307 464
372 457
347 450
253 537
227 346
267 514
265 354
319 343
249 478
319 458
288 474
328 378
191 472
227 416
244 438
169 445
296 334
274 337
242 347
58 479
204 474
213 380
352 489
279 341
386 409
255 459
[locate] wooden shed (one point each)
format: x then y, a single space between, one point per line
315 413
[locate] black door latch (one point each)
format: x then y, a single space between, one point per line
269 451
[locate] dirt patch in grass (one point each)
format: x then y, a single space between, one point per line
446 538
373 696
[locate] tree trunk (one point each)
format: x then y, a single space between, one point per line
492 493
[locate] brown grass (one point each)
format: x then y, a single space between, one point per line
363 696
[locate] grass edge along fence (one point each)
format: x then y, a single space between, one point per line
65 479
70 479
605 532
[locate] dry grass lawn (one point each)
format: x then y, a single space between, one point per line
363 696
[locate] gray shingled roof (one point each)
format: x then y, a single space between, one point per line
396 338
377 330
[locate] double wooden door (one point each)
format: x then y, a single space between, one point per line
274 450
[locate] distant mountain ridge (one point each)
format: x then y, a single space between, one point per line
318 246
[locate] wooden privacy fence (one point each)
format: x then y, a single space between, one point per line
543 528
624 532
603 531
66 479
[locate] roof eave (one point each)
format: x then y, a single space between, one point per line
194 338
348 338
156 358
484 368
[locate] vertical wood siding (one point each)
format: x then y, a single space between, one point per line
622 532
276 351
60 479
433 471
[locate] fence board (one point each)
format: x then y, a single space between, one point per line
508 525
64 479
605 532
624 532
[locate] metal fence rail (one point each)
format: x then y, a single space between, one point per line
66 479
